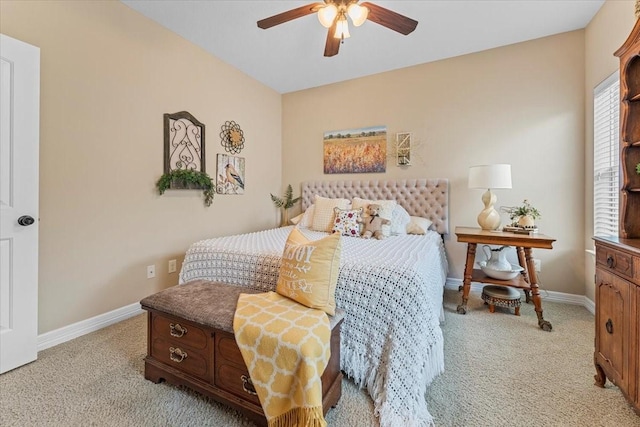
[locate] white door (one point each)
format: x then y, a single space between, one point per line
19 143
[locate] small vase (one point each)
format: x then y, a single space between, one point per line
526 222
285 218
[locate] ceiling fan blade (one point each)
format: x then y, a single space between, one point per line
332 45
289 15
390 19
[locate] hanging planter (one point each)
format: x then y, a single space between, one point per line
187 179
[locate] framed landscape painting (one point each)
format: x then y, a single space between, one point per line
362 150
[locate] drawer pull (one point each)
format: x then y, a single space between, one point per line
177 354
247 385
610 261
609 326
177 330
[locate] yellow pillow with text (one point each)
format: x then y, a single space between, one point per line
309 270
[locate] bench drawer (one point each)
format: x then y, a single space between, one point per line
236 380
179 331
186 359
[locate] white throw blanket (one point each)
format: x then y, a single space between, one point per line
391 290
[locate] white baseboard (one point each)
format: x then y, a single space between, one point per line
553 296
66 333
83 327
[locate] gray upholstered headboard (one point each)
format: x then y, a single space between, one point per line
428 198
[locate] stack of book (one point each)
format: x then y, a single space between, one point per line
520 230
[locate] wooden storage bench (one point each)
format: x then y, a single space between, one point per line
190 342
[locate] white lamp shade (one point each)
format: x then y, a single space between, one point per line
327 15
342 29
490 176
357 13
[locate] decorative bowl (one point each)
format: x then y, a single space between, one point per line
501 274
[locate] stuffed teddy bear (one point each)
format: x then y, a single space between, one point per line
372 224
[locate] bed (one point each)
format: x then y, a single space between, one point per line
391 291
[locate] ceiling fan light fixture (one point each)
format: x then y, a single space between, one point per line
357 13
342 29
327 15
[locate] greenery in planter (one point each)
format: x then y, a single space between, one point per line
285 203
188 178
638 168
516 212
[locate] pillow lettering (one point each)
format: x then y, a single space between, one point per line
309 270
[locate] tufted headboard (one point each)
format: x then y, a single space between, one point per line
428 198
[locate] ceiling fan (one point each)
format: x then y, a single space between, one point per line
333 15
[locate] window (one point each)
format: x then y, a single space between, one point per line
606 156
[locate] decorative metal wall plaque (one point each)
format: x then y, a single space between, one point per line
232 137
183 142
403 148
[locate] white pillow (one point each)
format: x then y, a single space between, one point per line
323 216
418 225
296 219
307 217
386 212
399 220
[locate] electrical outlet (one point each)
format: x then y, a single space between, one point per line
537 264
172 266
151 271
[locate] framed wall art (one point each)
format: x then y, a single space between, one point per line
230 174
362 150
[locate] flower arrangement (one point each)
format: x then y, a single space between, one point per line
285 203
522 211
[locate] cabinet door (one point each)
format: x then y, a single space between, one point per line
636 353
612 326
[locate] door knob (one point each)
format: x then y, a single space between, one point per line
26 220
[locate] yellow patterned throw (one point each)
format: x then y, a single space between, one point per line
286 347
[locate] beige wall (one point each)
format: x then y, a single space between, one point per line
522 104
606 32
108 75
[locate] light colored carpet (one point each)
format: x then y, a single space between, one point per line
501 370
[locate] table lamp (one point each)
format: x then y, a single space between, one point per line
489 176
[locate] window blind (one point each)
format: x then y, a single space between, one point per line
606 156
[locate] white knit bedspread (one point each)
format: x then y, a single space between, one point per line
391 291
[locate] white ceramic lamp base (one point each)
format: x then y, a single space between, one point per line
489 218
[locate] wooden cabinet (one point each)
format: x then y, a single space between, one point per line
209 361
629 55
617 330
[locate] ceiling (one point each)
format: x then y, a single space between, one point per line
289 57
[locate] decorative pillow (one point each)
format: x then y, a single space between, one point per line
399 220
418 225
309 270
346 221
296 219
307 218
323 214
386 212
